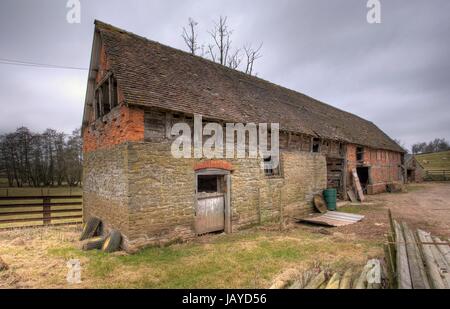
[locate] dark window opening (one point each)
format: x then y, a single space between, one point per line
359 154
363 175
269 169
97 103
106 97
207 184
316 145
341 149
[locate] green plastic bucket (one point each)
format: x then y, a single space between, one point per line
330 196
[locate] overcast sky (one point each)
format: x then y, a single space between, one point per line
396 74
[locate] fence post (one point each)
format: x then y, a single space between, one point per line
47 210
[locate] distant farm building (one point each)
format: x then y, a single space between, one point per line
138 89
414 170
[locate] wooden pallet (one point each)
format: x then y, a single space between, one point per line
357 184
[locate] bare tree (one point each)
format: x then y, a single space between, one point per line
235 59
221 35
252 55
47 159
211 52
190 36
438 144
220 50
74 158
418 148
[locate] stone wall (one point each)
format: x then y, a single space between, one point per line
105 187
162 191
136 186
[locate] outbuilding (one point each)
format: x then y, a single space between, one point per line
138 89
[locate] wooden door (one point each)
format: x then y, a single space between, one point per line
210 213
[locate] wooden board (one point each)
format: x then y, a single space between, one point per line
403 273
210 215
319 204
445 250
432 266
419 278
351 196
358 185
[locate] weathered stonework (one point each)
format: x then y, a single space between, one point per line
139 188
105 187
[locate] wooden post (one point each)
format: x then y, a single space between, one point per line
110 94
47 220
168 124
280 201
228 211
259 206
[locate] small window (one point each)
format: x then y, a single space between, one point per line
269 169
359 154
207 184
106 97
316 145
341 149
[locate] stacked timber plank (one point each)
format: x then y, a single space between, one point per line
371 277
418 260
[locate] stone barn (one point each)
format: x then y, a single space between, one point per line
137 89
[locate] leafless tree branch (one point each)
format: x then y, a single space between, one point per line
190 36
220 50
252 55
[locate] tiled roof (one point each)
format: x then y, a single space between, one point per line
154 75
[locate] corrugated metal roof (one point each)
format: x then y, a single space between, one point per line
333 218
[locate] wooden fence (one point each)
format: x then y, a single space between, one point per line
21 211
437 175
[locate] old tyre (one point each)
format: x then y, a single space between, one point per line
90 228
94 243
112 242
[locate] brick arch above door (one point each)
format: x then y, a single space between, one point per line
214 164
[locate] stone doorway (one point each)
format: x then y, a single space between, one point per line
212 201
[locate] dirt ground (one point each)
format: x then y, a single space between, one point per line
37 257
425 206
